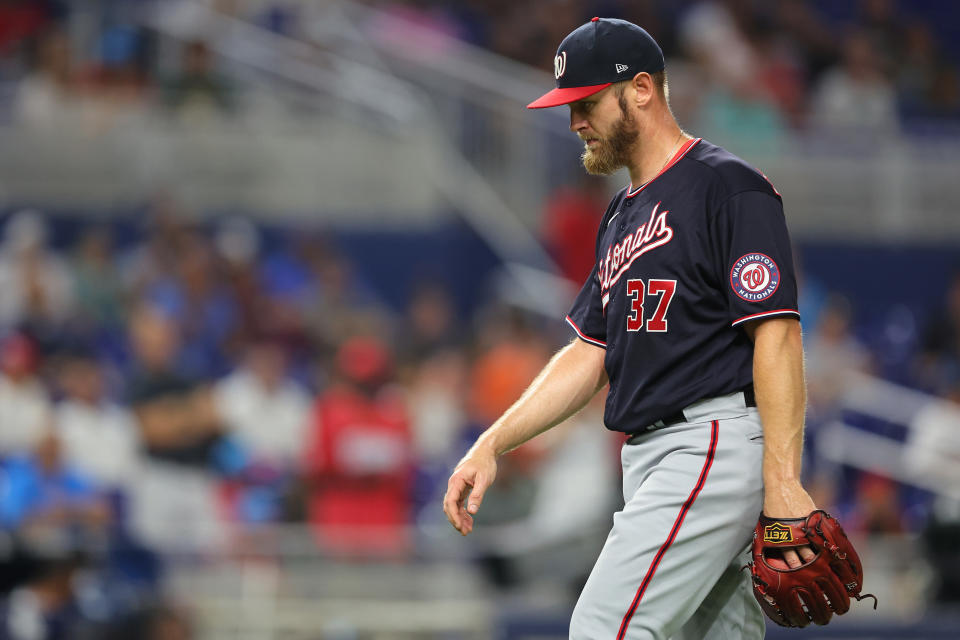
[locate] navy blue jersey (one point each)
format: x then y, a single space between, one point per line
682 262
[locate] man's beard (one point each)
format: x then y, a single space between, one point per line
612 152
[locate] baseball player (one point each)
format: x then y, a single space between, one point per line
690 314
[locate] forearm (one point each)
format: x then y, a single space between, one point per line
781 398
571 378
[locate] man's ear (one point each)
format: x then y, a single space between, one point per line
644 88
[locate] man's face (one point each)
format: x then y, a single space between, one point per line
603 121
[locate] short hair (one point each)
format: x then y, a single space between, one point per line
659 81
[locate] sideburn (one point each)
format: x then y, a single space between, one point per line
624 136
615 150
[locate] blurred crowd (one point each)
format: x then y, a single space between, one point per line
179 388
740 70
752 70
176 387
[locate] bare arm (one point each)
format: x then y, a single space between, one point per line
781 400
564 386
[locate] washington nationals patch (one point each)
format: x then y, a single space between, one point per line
755 277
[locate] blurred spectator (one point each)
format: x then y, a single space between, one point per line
780 73
933 454
882 24
743 117
166 230
36 284
19 20
512 354
197 93
237 245
712 38
856 96
26 410
738 107
265 414
916 64
939 357
195 294
436 389
99 289
262 408
807 35
570 216
431 325
175 495
99 436
927 83
832 354
339 303
359 457
45 95
177 416
43 608
943 97
933 446
43 492
117 85
877 508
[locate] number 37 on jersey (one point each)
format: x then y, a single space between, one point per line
659 293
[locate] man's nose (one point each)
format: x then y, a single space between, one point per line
577 120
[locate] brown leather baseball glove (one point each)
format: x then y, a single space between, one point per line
819 587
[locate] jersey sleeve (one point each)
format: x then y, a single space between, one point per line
755 258
586 317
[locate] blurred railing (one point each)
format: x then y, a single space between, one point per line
290 588
923 450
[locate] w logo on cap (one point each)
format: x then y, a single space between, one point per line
560 64
621 68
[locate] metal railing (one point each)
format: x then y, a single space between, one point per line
928 457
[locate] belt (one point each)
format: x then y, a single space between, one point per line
749 397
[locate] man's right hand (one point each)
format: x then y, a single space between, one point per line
471 478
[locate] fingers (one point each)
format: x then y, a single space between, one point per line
791 558
468 484
453 502
457 489
476 494
799 556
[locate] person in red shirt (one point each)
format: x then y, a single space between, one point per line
358 458
571 214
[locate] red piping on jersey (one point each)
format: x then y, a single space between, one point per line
584 336
777 312
676 158
711 452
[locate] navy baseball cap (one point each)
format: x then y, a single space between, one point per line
597 54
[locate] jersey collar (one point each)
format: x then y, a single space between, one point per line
674 160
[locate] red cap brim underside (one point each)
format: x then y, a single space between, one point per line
558 97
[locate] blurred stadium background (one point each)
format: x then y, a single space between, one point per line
269 266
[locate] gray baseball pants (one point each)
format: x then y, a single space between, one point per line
671 565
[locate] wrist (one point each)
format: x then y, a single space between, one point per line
780 478
786 499
486 446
